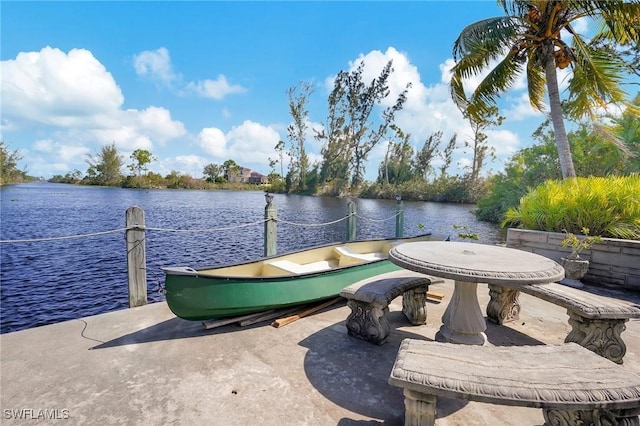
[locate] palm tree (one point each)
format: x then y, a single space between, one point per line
529 38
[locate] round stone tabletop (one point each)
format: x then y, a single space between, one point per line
479 263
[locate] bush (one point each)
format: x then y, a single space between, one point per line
607 206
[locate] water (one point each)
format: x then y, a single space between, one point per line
53 281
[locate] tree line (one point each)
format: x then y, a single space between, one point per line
105 169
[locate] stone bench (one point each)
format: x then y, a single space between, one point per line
571 384
597 321
369 302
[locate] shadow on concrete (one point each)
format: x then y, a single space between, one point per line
354 373
503 335
174 328
177 328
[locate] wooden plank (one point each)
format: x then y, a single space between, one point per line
209 324
288 320
269 315
435 296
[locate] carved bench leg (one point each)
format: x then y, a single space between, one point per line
590 417
504 305
367 321
419 408
414 305
598 335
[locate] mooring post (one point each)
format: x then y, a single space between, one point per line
136 257
351 221
399 217
270 226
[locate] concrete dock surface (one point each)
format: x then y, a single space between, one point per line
144 366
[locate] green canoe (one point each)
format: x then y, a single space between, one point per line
279 281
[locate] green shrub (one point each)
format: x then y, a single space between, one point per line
607 206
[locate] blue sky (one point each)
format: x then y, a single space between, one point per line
202 82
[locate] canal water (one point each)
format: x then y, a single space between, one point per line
59 279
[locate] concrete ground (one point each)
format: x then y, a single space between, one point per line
144 366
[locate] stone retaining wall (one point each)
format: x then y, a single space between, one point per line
612 263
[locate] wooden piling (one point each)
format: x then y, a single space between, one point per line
351 221
136 257
399 217
270 226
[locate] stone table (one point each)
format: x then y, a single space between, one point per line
469 264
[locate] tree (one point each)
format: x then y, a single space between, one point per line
9 172
529 167
140 157
229 167
426 154
212 171
351 132
447 155
481 150
105 166
280 150
297 133
397 166
529 39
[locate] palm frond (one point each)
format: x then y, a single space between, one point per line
457 92
596 80
623 23
536 82
515 8
491 36
499 79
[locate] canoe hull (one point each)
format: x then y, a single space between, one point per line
201 298
251 287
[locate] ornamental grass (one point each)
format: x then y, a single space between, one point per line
607 206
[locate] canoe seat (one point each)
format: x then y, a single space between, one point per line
347 256
296 268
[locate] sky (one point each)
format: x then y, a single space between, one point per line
206 81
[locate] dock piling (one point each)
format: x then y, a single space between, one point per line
270 226
136 257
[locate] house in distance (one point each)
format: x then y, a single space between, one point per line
245 175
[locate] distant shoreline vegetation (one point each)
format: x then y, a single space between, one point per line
449 189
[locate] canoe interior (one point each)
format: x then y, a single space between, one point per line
312 260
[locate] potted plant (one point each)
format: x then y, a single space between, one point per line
574 266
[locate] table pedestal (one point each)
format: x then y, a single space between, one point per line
462 321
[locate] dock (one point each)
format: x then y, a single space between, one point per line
146 366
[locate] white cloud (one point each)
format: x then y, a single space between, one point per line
520 108
252 142
215 89
76 100
54 88
157 123
504 141
155 64
213 142
248 144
